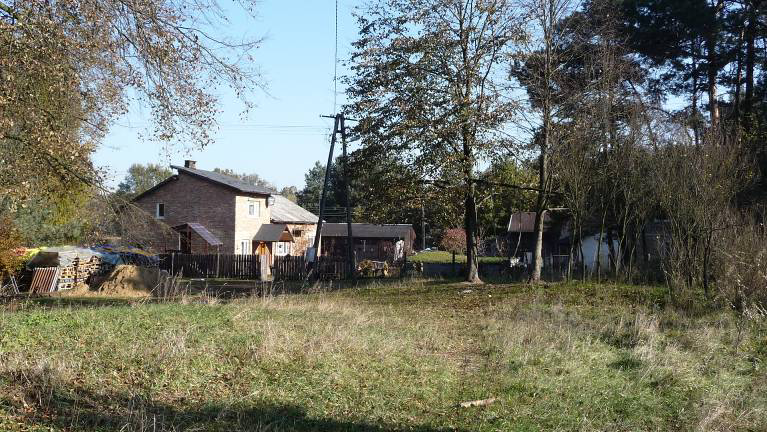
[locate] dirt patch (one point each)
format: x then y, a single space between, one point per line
129 281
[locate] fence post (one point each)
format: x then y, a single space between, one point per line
172 263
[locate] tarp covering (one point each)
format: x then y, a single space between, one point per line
63 256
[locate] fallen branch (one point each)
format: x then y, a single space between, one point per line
475 403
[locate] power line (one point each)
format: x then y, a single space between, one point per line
335 66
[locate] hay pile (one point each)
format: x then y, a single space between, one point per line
131 281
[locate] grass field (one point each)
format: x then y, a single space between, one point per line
438 256
384 358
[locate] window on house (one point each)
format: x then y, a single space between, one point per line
283 248
254 208
245 247
297 233
160 211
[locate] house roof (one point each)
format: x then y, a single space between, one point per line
273 233
225 180
203 232
525 222
155 187
364 230
286 211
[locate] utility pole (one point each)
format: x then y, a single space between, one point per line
318 235
347 186
338 126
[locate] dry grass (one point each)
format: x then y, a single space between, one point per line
385 358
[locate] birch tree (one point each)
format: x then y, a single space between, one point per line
538 67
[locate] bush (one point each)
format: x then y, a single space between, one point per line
10 242
741 267
454 240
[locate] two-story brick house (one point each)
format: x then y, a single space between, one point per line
214 212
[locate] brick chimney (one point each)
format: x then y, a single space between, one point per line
190 164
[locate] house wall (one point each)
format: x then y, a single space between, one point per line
246 226
303 242
189 199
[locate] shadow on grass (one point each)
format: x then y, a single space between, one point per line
40 400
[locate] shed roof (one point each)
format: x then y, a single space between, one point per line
525 222
203 232
225 180
364 230
286 211
273 233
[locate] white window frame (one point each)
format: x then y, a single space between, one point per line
245 246
157 210
283 249
256 206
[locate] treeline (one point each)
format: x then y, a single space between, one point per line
629 112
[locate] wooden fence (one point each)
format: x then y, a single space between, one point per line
212 266
248 266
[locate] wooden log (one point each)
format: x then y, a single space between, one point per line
476 403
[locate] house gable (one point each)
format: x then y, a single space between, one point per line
187 198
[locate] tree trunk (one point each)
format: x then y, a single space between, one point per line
645 252
472 261
695 125
712 69
750 36
713 104
583 261
535 275
738 81
613 256
706 260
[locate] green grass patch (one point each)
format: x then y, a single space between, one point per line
438 256
384 357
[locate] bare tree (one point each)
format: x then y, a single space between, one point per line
537 68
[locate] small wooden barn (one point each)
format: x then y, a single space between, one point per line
371 241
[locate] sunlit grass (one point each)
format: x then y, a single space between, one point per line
385 357
438 256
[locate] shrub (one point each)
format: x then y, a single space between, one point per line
741 266
454 240
10 242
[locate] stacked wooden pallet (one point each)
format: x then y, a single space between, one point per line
77 273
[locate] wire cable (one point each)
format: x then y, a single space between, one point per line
335 66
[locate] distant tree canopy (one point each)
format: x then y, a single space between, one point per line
309 196
140 178
289 192
253 179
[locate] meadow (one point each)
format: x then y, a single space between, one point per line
394 356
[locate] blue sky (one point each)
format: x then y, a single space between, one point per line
282 137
